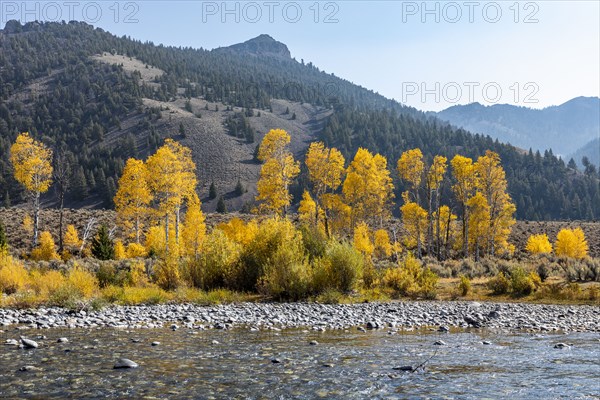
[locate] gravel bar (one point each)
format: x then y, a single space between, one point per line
410 314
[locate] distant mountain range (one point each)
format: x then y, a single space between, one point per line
569 129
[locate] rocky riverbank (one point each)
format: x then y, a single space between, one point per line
504 316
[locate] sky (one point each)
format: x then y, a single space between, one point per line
429 55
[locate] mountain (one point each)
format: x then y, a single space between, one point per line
591 150
563 129
101 99
262 45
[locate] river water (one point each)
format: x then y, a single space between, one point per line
344 364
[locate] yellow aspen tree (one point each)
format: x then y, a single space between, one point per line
187 177
491 182
46 251
71 238
277 172
447 229
362 239
307 209
120 252
325 170
538 244
410 168
239 231
340 214
32 163
381 242
133 197
368 187
571 243
165 179
194 230
414 219
435 177
479 222
464 187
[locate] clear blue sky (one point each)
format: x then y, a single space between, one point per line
428 55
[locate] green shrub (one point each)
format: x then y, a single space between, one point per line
499 284
345 265
330 296
315 241
464 285
521 282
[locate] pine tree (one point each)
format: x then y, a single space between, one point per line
221 207
3 241
102 245
212 191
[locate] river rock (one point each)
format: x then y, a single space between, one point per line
439 343
561 346
28 368
155 343
62 340
28 343
11 342
124 363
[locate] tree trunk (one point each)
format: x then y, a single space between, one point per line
167 234
137 229
61 222
36 218
465 231
177 210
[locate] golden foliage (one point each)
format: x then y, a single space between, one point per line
32 163
28 224
82 281
133 197
13 276
571 243
410 168
414 220
46 250
194 230
368 187
307 211
239 231
135 250
383 247
362 239
277 172
120 252
537 244
71 238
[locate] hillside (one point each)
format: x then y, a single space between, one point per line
563 129
101 99
591 150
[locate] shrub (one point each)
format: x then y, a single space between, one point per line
83 282
71 238
499 284
138 277
411 279
287 276
522 283
330 296
571 243
315 241
272 234
464 285
108 274
167 273
135 250
46 250
45 284
216 265
345 265
538 244
119 250
13 276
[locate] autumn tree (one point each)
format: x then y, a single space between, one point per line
277 172
571 243
368 187
46 250
32 163
170 181
133 197
362 239
62 177
194 230
491 183
410 168
479 222
464 187
447 228
325 169
538 244
434 179
307 209
71 238
414 220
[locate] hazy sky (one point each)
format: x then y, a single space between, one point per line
429 55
